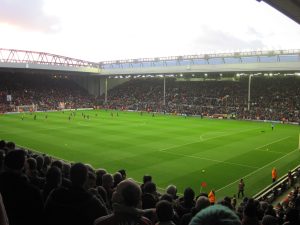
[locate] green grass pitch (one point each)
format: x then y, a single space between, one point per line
173 149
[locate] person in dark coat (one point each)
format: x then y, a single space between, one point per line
23 201
74 205
126 206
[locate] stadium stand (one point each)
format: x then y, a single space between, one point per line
272 98
45 91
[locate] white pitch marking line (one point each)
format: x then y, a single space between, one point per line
178 146
213 160
234 182
272 142
270 151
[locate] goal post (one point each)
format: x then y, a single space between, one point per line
26 108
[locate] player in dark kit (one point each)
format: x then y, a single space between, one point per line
34 117
241 188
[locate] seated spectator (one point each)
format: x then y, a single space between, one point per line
165 213
32 173
201 203
123 173
216 215
91 181
126 202
146 178
172 190
39 165
108 184
186 203
117 178
23 201
99 174
53 181
292 217
269 220
73 205
150 196
250 214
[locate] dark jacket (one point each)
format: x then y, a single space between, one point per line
73 206
23 201
124 215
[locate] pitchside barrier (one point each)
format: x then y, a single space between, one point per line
276 189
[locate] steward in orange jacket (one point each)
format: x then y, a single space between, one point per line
274 174
212 197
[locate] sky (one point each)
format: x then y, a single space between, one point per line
100 30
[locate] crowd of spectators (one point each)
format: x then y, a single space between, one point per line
271 98
38 189
47 92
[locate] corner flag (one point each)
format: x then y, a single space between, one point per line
203 185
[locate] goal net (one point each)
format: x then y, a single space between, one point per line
26 108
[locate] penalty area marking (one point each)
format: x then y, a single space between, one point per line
255 171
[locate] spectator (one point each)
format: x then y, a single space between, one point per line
126 201
172 190
269 220
53 181
23 201
201 203
146 178
216 214
99 174
117 177
74 205
186 203
165 213
123 173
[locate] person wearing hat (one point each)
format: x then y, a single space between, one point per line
216 214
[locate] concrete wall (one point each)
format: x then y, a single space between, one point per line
95 85
111 83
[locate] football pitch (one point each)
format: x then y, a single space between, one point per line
173 149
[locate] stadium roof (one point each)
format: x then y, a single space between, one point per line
284 61
290 8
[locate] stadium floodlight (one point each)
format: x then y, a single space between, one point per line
221 74
297 74
181 75
238 75
205 74
193 75
270 74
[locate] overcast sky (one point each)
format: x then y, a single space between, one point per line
99 30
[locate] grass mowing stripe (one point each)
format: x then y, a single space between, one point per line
273 142
208 139
255 171
277 152
207 159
